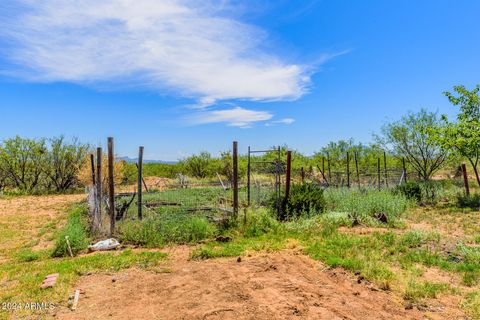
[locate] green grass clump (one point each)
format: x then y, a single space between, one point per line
411 190
260 222
304 199
364 205
27 255
472 304
471 201
158 231
418 291
76 231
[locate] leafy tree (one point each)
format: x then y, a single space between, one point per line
462 136
64 161
410 137
197 165
23 162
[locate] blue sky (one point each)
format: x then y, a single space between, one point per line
181 76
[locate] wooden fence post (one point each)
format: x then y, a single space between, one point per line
328 164
248 177
111 186
378 174
348 169
92 165
404 170
356 168
385 168
289 175
99 191
465 179
140 182
235 178
302 174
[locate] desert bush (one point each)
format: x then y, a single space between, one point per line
260 222
411 190
470 201
76 230
304 199
367 206
158 231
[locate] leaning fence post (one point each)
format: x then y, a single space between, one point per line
235 178
465 179
140 181
248 177
99 191
348 169
404 170
378 174
111 187
289 175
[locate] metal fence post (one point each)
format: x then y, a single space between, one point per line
140 181
235 178
248 177
111 186
404 170
348 169
356 168
289 175
99 191
378 174
385 167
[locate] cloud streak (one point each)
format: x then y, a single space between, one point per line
235 117
185 47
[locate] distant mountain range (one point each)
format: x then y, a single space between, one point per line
135 160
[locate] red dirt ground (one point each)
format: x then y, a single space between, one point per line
283 285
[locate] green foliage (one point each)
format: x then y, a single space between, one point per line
164 170
304 199
416 291
197 165
27 255
411 190
260 222
40 165
411 137
156 231
76 231
367 206
471 201
463 136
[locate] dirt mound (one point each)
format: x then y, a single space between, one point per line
283 285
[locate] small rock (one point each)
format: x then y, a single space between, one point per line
239 259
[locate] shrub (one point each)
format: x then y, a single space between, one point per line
260 222
411 190
157 231
306 198
367 206
470 201
27 255
76 230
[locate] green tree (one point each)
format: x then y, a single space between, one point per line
198 165
410 137
463 136
23 162
64 161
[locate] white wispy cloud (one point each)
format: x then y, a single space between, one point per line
235 117
285 121
188 47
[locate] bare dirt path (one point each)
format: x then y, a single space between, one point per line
282 285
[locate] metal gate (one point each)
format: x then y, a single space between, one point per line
264 178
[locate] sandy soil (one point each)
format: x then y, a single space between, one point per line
283 285
23 217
